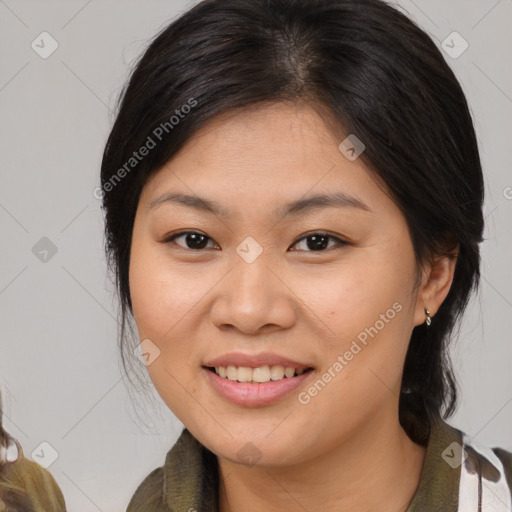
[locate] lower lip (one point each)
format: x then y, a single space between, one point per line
253 395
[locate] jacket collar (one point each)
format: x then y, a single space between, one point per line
438 488
191 478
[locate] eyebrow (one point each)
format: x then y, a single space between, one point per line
298 207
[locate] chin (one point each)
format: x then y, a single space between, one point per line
254 446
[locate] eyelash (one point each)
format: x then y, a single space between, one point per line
321 233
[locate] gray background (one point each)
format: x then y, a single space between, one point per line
59 370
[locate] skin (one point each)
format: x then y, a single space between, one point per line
345 449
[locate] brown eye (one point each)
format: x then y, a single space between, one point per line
314 242
192 240
318 242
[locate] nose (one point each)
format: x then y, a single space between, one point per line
252 298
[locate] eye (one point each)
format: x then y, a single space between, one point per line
318 242
193 240
315 242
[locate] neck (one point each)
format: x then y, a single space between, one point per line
360 474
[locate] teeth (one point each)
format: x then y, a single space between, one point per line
289 372
261 374
231 372
244 374
277 372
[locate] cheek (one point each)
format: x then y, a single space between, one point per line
161 293
367 306
162 299
356 295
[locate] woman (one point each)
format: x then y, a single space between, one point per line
293 204
24 485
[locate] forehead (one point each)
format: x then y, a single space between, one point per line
264 155
293 132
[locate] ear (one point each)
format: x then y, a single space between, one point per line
437 278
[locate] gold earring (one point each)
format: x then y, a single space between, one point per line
428 321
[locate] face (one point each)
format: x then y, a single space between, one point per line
241 280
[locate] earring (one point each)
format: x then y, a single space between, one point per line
428 320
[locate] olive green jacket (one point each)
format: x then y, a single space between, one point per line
458 476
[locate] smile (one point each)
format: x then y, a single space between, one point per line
260 375
254 387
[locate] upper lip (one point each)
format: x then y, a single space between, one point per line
255 360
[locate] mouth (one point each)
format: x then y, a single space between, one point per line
256 380
258 375
259 386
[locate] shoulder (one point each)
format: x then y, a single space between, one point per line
462 474
491 469
492 464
